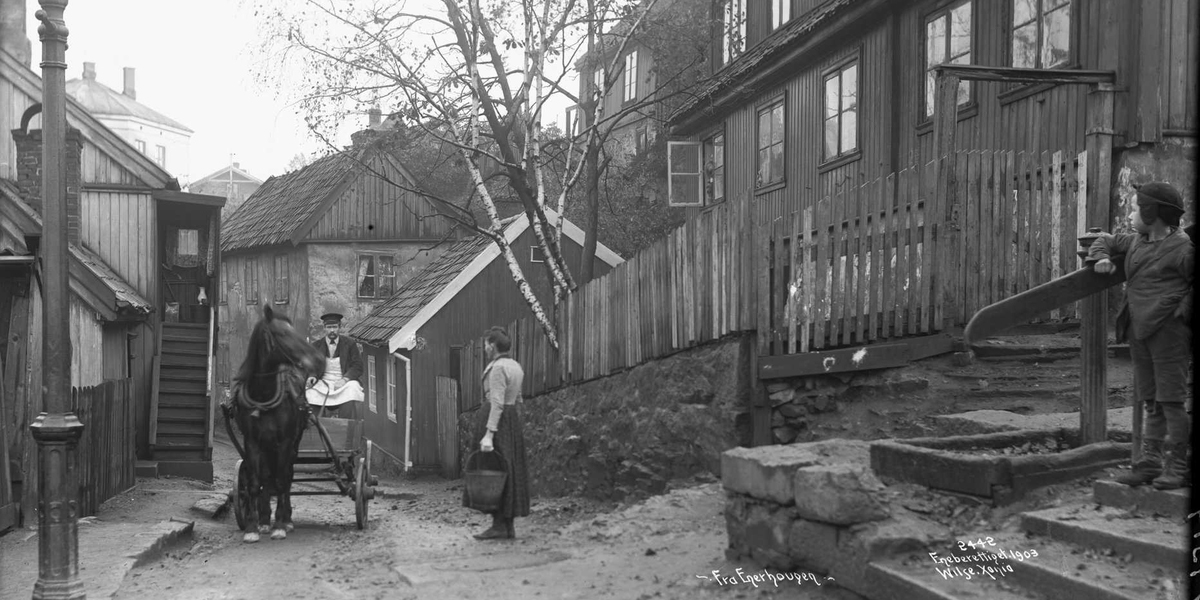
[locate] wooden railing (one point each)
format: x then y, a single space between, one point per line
106 455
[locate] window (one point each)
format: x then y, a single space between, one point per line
391 389
733 30
1041 35
224 279
770 144
141 146
536 254
188 242
250 281
640 140
684 171
372 390
841 110
160 155
375 276
281 278
631 66
947 40
714 169
781 12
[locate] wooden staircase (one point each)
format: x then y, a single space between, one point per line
181 413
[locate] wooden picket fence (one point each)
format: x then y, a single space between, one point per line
107 457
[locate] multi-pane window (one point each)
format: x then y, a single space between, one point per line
685 171
1041 34
188 242
631 67
733 30
141 146
372 389
781 12
770 144
160 155
223 277
375 276
250 281
640 140
391 389
714 169
947 40
281 278
841 110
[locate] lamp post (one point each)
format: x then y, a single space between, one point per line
56 430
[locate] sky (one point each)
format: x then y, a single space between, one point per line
193 63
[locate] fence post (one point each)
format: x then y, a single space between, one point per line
945 124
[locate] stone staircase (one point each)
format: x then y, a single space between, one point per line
182 415
1123 544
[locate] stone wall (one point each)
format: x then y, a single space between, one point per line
628 434
1173 162
816 407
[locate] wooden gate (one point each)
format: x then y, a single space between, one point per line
447 425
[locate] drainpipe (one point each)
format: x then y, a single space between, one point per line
407 407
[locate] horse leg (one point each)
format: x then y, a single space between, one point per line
283 486
254 492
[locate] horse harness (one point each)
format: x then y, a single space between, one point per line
289 380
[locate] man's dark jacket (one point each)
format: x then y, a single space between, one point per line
348 356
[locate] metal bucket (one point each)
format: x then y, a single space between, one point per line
485 486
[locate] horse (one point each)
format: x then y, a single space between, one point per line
268 404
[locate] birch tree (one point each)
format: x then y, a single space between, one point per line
475 75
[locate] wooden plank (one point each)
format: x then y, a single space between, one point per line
891 245
837 255
1056 233
1025 75
945 124
866 271
971 245
821 266
779 253
853 283
762 246
922 222
1021 230
794 285
808 283
996 235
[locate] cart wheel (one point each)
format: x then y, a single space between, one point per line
361 494
238 495
372 480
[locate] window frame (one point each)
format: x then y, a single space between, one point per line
925 114
710 197
372 383
838 68
781 13
697 175
223 279
282 280
160 155
729 54
375 275
391 388
250 280
534 251
629 87
769 105
141 146
1069 61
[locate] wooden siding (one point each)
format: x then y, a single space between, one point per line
239 314
87 345
13 103
372 209
383 432
1163 90
116 351
96 167
490 299
120 228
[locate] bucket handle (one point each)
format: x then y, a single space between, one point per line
503 461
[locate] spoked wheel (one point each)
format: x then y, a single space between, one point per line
239 491
363 489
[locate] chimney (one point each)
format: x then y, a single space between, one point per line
89 70
373 117
29 173
236 165
12 30
129 89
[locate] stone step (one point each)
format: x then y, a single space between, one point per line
1065 570
1158 541
1145 500
916 578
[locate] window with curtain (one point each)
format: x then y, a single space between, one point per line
391 388
372 392
947 40
1041 33
733 30
250 281
281 278
714 169
631 67
770 144
841 110
376 277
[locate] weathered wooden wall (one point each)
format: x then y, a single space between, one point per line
87 345
372 209
120 227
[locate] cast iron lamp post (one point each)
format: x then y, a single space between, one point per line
56 430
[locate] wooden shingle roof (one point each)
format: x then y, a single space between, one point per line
391 316
273 213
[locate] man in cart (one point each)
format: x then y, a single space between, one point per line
343 367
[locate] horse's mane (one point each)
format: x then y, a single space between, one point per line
258 352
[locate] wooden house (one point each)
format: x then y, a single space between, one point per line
231 182
412 343
340 234
881 216
135 317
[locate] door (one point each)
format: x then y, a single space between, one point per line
447 419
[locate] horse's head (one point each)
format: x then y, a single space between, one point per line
275 342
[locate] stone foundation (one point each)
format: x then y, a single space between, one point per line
819 508
806 409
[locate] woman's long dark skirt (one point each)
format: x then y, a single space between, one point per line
509 440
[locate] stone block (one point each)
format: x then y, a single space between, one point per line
839 494
765 472
792 410
903 533
814 545
783 396
784 435
767 530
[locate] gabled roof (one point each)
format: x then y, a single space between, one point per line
102 100
764 53
396 321
105 139
222 176
91 278
282 205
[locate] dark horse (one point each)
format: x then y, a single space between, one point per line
270 410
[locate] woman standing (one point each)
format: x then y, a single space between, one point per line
502 381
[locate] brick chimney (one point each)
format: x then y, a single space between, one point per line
89 70
129 89
29 173
12 30
374 116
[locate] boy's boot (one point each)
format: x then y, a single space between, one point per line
1149 466
1176 472
509 528
496 531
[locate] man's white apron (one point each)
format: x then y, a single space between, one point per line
323 393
